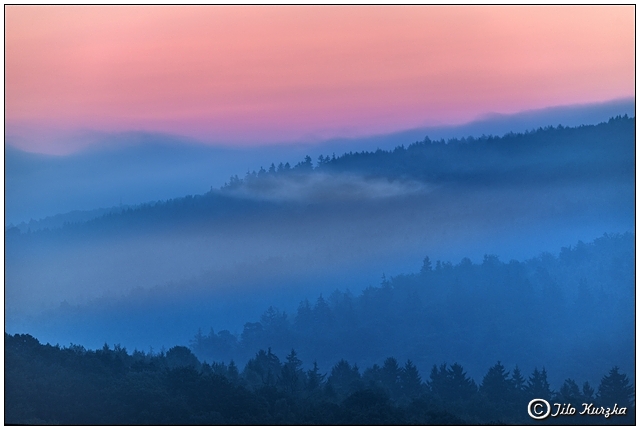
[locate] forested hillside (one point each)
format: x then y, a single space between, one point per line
576 306
594 153
47 385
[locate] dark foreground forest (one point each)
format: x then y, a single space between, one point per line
47 384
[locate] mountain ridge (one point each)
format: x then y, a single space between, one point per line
586 151
150 167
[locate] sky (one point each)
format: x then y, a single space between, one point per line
248 75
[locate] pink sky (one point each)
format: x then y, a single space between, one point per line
260 74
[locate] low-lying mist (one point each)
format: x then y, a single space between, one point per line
321 188
389 228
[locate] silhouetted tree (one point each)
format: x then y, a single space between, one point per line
538 386
496 385
570 393
262 370
410 380
292 376
615 388
390 375
588 392
452 385
314 379
181 356
306 165
517 380
344 379
426 265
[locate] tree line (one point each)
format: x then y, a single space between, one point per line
47 384
540 155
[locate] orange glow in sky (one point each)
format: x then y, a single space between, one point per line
260 74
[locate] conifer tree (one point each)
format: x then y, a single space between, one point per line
538 386
615 388
496 385
410 380
517 380
314 378
588 392
570 392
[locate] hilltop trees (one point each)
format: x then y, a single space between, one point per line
515 157
488 308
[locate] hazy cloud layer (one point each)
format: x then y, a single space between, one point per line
322 187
